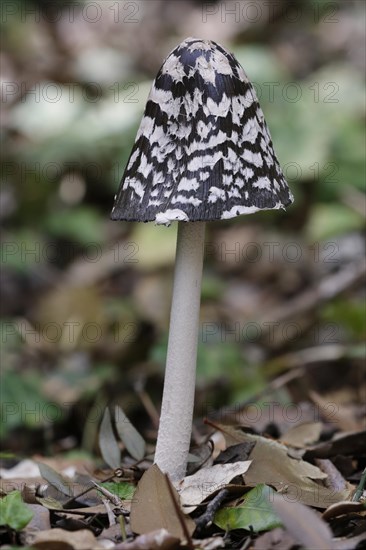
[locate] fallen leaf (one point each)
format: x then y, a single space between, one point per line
156 540
55 539
295 477
255 513
50 503
196 488
88 511
107 442
303 524
133 441
277 539
152 506
302 434
346 444
340 508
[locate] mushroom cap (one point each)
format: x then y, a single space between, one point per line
203 150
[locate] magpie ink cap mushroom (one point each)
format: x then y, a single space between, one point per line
203 152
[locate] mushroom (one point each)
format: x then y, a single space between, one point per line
203 152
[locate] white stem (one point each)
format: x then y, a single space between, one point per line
180 373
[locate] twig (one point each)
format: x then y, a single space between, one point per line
296 362
63 512
116 501
360 487
315 354
277 383
147 403
110 514
247 543
206 519
87 490
324 291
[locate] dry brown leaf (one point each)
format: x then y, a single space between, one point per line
310 530
98 509
152 506
303 524
346 444
272 465
274 540
341 508
60 539
196 488
302 435
156 540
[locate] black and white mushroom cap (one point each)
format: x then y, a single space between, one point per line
203 150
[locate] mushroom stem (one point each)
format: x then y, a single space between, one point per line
180 375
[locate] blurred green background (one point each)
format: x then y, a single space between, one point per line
85 301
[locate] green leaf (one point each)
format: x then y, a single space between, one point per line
131 438
107 442
82 225
21 397
124 491
255 513
350 315
13 511
50 503
330 220
55 479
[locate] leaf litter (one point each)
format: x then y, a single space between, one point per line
265 491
